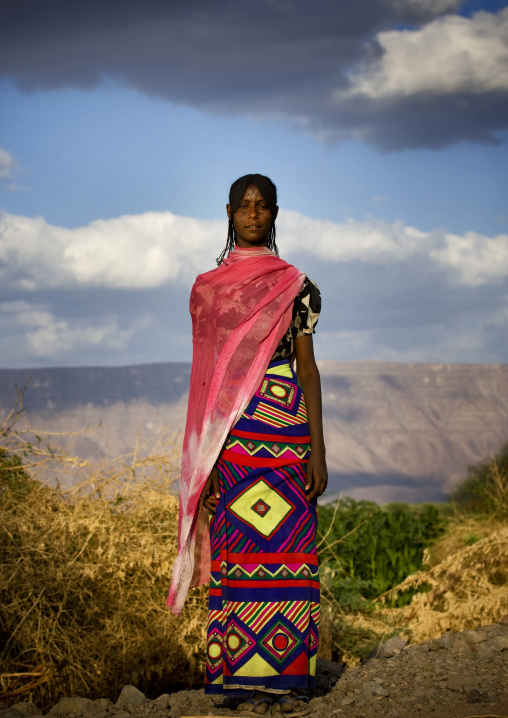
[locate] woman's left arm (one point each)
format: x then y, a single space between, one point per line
308 376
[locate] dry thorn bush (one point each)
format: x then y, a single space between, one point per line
85 571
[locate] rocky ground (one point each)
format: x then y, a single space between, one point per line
460 675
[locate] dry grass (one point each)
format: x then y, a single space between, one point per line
85 572
462 531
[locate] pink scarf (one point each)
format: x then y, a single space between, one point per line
240 311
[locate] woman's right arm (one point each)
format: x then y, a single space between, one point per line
208 498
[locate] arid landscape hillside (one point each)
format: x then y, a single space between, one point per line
393 431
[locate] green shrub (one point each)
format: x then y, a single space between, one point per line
367 549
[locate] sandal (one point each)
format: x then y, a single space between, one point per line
298 712
244 712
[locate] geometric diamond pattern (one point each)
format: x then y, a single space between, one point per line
261 507
214 650
281 392
299 572
238 643
279 642
252 505
242 446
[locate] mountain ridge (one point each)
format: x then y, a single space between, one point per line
393 431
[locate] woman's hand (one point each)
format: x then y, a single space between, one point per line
211 493
317 476
308 376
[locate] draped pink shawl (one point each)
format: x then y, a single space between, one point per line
240 311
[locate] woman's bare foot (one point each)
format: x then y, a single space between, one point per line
291 705
258 705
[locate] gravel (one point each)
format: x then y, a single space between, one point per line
461 674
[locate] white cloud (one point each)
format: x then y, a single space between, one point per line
46 335
134 252
152 250
472 259
475 259
8 165
372 240
390 291
451 54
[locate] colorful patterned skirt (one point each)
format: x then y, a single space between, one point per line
264 591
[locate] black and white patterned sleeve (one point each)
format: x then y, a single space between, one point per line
307 309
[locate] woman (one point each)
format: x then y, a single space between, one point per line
247 460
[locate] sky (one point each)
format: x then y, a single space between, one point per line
383 123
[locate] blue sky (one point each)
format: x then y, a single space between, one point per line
384 127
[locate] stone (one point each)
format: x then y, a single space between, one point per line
475 694
461 647
461 683
75 704
162 701
473 637
484 653
130 696
104 704
447 639
499 643
389 648
435 646
11 713
28 709
372 689
317 704
342 688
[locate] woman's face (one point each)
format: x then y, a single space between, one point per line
253 219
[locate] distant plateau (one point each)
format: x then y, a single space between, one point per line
394 432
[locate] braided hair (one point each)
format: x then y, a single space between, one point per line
237 192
